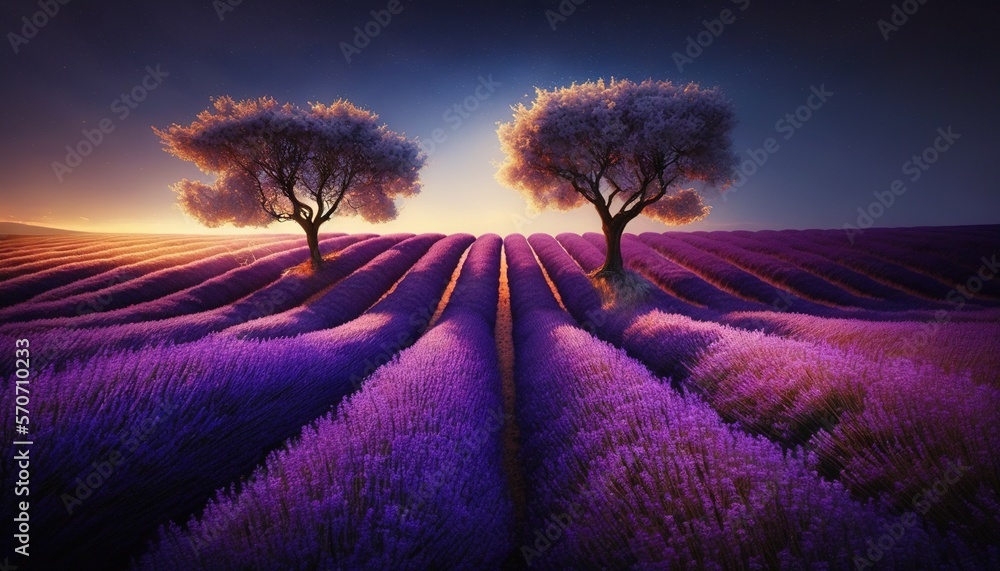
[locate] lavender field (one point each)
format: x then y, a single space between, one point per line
756 400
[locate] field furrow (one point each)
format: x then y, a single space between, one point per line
133 284
784 275
414 456
241 251
922 261
846 278
881 270
349 297
631 473
735 400
726 276
73 265
243 397
74 250
800 393
287 291
215 292
671 277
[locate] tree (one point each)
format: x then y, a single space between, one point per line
624 147
281 162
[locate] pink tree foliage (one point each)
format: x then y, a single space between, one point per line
283 162
626 148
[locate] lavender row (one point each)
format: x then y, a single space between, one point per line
785 275
942 241
131 285
811 243
853 281
590 258
724 275
286 292
405 475
22 256
349 297
957 245
955 348
947 257
241 251
17 245
40 280
878 269
790 391
646 329
28 254
952 346
890 429
64 270
673 278
829 245
844 405
624 472
957 268
177 422
224 288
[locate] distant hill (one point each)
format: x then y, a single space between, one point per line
8 228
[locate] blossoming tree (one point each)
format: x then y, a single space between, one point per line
283 162
626 148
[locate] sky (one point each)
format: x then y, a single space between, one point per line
865 98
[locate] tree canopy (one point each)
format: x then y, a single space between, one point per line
281 162
626 148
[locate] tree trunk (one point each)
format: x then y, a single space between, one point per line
312 238
613 262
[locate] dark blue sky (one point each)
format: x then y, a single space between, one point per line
889 99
